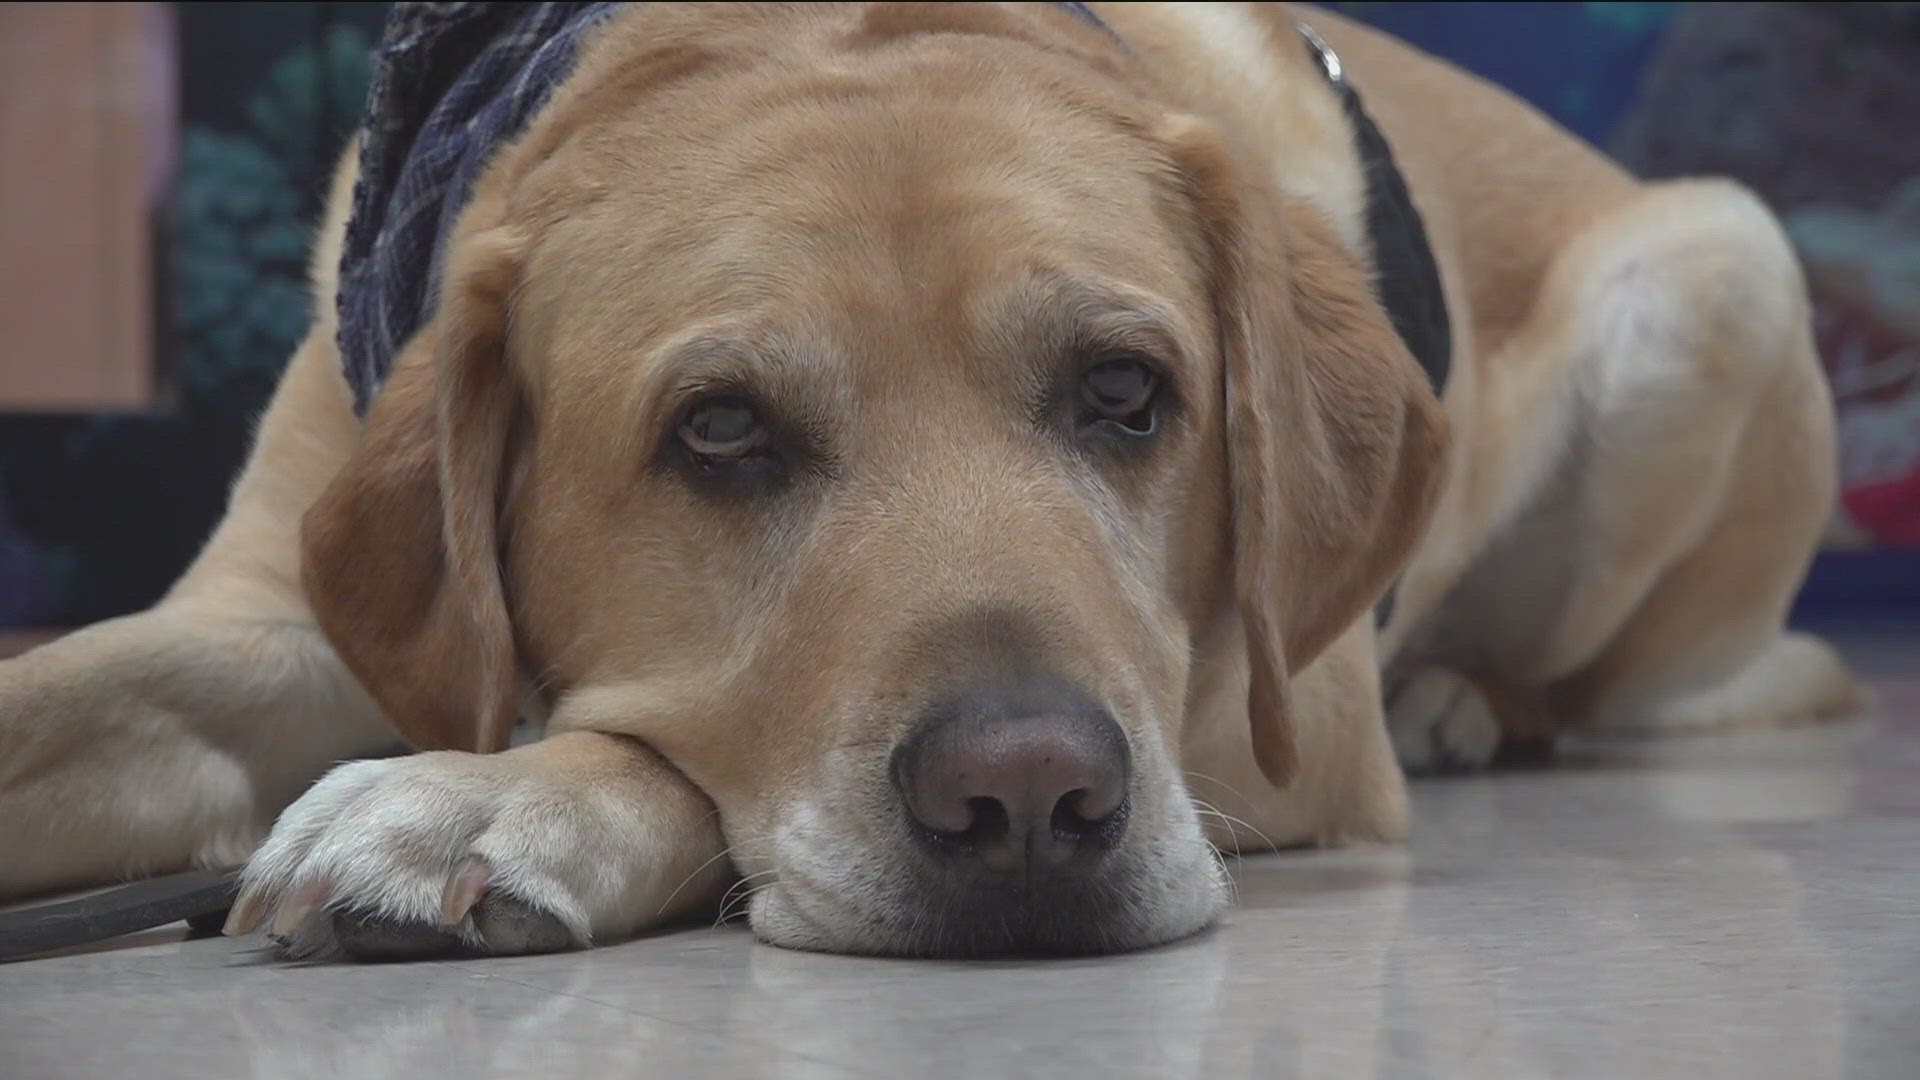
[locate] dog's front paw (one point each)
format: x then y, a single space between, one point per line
1440 722
444 852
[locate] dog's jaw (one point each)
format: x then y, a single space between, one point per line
820 893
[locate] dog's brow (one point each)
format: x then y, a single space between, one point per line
788 369
1082 315
731 354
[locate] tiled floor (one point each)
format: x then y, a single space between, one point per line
1736 906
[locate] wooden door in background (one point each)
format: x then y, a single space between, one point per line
86 136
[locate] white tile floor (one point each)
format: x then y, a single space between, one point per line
1738 906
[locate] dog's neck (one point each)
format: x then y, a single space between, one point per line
1405 275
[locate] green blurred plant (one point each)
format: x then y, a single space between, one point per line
240 210
1630 18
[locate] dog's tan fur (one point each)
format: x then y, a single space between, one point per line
894 219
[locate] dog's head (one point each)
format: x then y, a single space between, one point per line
867 409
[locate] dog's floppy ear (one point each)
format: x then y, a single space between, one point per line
401 559
1334 437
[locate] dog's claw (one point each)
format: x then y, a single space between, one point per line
464 889
246 912
294 910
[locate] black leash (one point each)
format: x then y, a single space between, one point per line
201 897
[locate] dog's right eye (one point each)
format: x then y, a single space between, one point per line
1122 394
723 428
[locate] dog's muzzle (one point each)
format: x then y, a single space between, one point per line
1015 789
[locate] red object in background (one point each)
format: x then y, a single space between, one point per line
1876 387
1889 511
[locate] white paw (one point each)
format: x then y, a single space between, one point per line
1439 722
442 852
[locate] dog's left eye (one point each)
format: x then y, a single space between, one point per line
1122 391
722 428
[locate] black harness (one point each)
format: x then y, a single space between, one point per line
1408 284
1406 278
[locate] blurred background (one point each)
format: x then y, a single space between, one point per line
161 164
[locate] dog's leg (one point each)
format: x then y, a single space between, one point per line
1706 646
1691 628
172 737
577 837
1440 721
1666 383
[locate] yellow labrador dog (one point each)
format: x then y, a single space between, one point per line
933 467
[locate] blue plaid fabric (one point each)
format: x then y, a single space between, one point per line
452 83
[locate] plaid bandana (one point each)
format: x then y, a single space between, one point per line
452 83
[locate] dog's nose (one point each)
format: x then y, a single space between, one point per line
1032 777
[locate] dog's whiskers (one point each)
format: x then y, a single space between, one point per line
1207 810
729 907
1226 876
745 881
1231 821
1228 818
726 852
